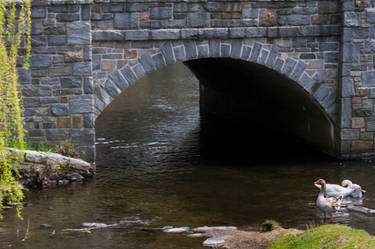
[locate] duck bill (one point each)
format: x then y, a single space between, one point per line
316 182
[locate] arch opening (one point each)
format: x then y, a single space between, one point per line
274 109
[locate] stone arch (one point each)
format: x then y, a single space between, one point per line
258 53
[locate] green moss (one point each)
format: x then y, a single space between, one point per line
327 237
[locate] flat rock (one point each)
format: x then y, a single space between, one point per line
206 228
219 241
177 230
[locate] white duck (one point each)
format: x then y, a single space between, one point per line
328 205
358 192
335 190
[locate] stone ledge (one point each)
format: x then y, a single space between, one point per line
47 168
60 2
215 33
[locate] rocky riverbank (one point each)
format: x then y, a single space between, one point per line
273 236
40 169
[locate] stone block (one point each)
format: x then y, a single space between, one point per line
71 82
358 123
214 48
190 49
203 51
272 57
250 13
59 110
165 34
348 87
350 134
368 78
119 80
82 69
267 17
278 65
321 93
179 52
126 21
128 75
139 71
189 33
38 12
236 47
346 111
361 146
81 104
57 134
225 50
137 35
40 61
245 54
288 66
159 61
79 33
263 56
298 20
161 13
111 88
255 51
147 63
88 87
298 70
351 19
215 33
167 51
63 122
200 19
370 15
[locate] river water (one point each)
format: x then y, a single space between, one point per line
161 163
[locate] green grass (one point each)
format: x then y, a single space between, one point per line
26 146
327 237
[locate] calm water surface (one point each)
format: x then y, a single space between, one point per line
160 163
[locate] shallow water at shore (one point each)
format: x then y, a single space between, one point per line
160 163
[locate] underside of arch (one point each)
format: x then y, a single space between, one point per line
263 99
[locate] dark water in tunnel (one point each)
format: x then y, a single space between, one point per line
159 163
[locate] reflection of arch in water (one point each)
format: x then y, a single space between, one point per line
297 102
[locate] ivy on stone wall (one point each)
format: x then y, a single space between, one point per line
15 23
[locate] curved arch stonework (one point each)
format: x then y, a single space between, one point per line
105 91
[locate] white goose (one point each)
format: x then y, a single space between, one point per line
335 190
358 192
328 205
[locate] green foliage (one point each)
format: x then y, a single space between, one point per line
67 148
328 237
45 148
15 22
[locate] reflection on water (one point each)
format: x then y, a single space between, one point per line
160 163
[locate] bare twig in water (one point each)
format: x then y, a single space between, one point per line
27 234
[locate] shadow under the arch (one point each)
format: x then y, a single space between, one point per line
275 111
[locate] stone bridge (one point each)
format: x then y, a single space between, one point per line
306 66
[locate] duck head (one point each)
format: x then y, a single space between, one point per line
346 183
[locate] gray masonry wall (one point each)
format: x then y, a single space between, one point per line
87 52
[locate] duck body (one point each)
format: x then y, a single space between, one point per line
358 192
335 190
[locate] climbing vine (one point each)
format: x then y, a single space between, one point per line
15 26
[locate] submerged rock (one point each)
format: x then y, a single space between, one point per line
46 226
207 229
177 230
214 242
93 224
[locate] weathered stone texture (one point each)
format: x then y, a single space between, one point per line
87 52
